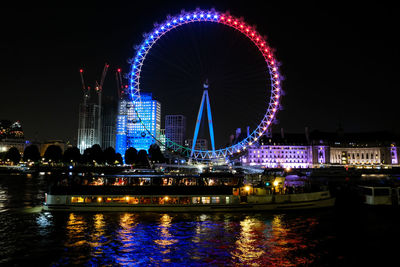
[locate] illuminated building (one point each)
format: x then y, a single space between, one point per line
108 123
138 130
322 150
162 140
145 126
201 144
10 129
279 156
175 129
122 119
88 133
12 135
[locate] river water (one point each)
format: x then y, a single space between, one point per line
346 235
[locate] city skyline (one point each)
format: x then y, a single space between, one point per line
329 81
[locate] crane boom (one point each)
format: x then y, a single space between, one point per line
103 75
82 80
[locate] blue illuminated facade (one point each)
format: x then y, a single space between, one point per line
122 119
138 128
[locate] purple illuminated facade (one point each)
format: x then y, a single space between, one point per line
309 152
279 156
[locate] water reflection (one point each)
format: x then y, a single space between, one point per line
185 239
76 241
126 239
275 242
249 243
97 237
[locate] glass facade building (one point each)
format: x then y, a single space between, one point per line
175 130
138 130
88 133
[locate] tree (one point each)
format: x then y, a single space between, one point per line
53 153
131 155
109 155
118 158
97 154
155 154
142 159
31 153
72 153
13 155
87 156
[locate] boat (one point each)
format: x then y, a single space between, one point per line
154 192
380 195
379 190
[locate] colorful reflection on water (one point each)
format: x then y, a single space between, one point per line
184 239
343 236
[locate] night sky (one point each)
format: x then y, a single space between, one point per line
340 63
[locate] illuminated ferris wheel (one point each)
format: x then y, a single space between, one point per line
212 16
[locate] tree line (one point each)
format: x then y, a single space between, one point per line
92 156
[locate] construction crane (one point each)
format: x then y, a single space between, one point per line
120 87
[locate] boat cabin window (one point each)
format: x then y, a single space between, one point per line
145 200
196 200
381 192
165 200
76 199
215 200
132 200
184 200
205 200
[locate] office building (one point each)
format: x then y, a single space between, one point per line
140 127
175 130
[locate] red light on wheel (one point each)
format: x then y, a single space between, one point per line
81 70
119 70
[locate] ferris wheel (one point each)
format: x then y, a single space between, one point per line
212 16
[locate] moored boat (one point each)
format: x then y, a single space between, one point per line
176 193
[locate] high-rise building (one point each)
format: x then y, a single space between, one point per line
175 130
144 126
108 122
88 133
138 130
121 130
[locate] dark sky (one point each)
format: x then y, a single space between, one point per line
340 62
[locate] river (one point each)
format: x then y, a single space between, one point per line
345 235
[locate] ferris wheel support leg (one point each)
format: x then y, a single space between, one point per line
196 130
210 124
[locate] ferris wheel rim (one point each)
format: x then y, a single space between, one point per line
244 28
